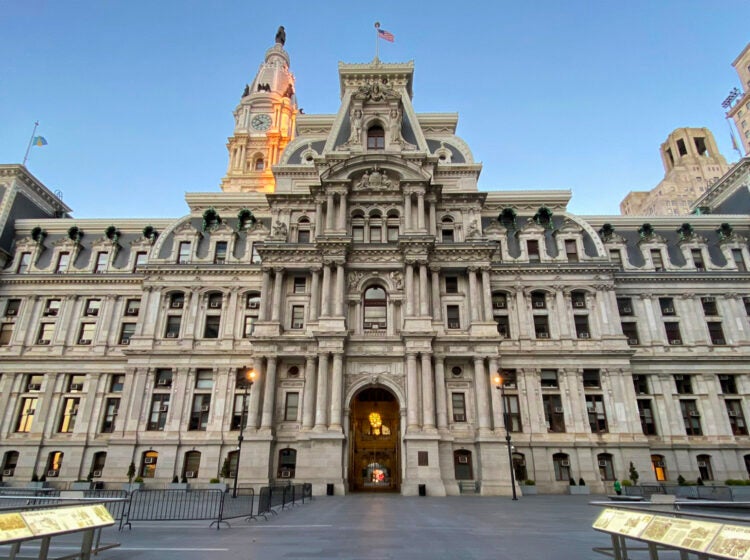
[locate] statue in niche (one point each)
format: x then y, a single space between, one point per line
281 36
280 230
396 125
473 231
356 121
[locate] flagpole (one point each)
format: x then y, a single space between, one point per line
377 43
28 148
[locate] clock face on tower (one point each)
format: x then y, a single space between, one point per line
261 122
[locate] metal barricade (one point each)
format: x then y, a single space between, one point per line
172 505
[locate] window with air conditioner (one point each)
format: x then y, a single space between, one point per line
458 400
452 317
298 316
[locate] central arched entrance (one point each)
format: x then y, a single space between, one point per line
375 446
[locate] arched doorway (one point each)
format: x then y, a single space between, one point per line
374 436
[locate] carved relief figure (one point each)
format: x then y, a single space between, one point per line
395 125
356 119
280 230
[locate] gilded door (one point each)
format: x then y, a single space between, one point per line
374 458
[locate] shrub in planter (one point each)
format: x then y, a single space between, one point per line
138 480
175 479
626 482
681 480
131 472
581 482
214 481
572 482
529 482
633 474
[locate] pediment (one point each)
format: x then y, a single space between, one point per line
396 169
531 228
569 226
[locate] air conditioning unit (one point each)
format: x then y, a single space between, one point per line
10 312
558 410
702 464
204 408
543 335
668 310
520 462
43 341
91 312
539 304
718 341
459 418
636 378
499 304
214 304
176 305
732 412
76 386
189 474
565 463
454 325
8 472
679 377
35 387
164 382
286 474
708 299
148 460
232 474
255 304
463 459
659 464
297 325
125 341
602 463
171 335
694 413
84 341
584 335
633 341
675 341
130 312
53 473
503 332
164 408
579 304
627 309
724 378
96 474
50 312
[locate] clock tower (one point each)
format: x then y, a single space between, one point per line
264 123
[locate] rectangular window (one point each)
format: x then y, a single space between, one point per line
172 329
117 383
183 255
204 379
697 255
451 284
728 384
163 378
591 379
101 263
553 413
290 406
247 330
616 257
571 250
200 412
298 316
52 307
62 262
541 326
422 459
392 233
503 325
532 247
69 414
453 317
75 383
640 384
211 328
26 415
126 332
596 413
514 413
303 236
666 304
23 263
132 307
141 259
625 307
111 407
681 149
691 417
582 326
709 307
255 255
459 407
630 330
683 384
548 378
647 417
46 333
6 333
716 333
238 416
358 234
656 259
739 260
86 334
300 282
736 417
92 307
220 252
159 409
446 235
12 307
34 383
672 330
376 234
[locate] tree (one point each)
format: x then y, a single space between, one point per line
225 468
634 476
131 472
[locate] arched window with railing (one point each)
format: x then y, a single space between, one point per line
376 138
375 309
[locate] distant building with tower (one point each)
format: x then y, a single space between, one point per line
738 104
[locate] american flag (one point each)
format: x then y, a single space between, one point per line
387 35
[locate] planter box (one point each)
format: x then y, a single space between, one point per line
132 487
36 485
81 485
218 486
178 486
578 490
527 490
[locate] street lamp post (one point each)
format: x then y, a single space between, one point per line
500 385
248 378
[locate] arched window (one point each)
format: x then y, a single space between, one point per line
303 230
462 465
704 467
578 300
375 316
192 464
358 227
287 463
148 465
446 230
231 464
376 138
97 464
561 462
10 460
376 227
606 468
393 223
660 467
260 165
54 464
519 467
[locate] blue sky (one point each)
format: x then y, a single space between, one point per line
136 98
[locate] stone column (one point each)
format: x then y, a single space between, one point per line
407 211
409 290
437 309
308 395
264 293
441 395
254 407
337 387
314 293
321 416
433 218
483 403
497 411
428 394
473 310
269 394
420 211
329 213
319 216
342 211
412 396
277 287
487 293
325 296
339 289
424 304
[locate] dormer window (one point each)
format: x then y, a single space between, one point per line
376 138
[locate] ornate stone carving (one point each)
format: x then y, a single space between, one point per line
375 179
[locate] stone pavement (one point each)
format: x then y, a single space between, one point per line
380 527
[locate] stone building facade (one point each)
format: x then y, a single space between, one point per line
739 100
375 291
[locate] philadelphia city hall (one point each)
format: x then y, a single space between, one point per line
352 265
